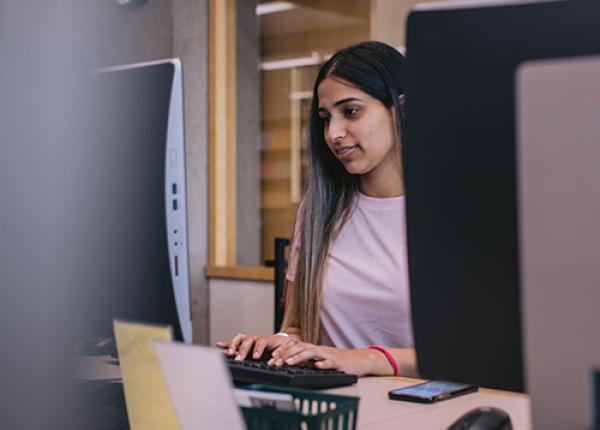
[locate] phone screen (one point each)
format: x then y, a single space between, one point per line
431 391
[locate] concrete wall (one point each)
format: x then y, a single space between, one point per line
240 306
248 134
190 43
388 20
137 34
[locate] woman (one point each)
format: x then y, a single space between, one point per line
347 292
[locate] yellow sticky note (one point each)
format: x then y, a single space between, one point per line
148 404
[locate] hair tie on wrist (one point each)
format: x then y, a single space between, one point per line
388 356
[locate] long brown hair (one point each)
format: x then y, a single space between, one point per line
378 70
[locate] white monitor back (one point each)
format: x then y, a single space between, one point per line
140 145
558 116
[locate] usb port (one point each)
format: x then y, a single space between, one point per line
176 266
174 204
174 188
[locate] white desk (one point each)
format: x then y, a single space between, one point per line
377 412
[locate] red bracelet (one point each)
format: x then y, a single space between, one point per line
388 356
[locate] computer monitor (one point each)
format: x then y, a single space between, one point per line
459 158
137 195
559 208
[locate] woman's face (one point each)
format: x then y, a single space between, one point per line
359 129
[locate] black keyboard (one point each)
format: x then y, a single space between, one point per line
259 372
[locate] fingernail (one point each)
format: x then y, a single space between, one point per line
231 350
290 361
256 355
279 362
238 357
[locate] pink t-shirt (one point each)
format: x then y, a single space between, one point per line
366 299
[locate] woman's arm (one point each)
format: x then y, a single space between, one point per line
359 362
289 324
405 359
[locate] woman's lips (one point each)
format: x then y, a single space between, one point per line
345 152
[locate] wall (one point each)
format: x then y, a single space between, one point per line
137 34
388 20
190 43
240 306
248 134
236 305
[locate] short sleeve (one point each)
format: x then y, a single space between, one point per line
294 249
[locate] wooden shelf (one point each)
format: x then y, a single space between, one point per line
247 273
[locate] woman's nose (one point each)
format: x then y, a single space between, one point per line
336 131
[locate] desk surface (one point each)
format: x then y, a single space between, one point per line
378 412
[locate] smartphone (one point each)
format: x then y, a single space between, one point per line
432 391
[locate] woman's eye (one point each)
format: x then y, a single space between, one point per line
325 119
350 112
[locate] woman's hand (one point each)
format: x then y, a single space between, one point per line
354 361
241 345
